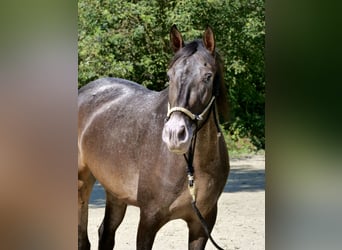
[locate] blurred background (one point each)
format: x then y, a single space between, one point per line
41 70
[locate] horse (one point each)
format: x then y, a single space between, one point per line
148 148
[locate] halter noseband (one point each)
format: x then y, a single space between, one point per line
187 112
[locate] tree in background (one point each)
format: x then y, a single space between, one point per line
131 40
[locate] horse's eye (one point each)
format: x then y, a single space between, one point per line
207 77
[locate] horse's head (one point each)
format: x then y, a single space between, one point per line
194 78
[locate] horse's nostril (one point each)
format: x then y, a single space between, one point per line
182 133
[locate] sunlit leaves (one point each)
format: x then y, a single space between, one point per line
131 40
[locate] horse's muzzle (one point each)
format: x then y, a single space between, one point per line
177 134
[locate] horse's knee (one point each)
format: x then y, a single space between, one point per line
197 234
148 227
106 237
85 184
101 230
197 237
82 196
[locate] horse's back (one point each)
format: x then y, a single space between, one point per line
109 93
108 85
104 90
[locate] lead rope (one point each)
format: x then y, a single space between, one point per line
191 182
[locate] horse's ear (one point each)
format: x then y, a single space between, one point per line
209 40
176 39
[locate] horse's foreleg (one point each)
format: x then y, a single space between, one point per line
197 236
150 223
85 184
114 214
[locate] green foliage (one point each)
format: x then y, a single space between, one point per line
130 39
122 39
238 146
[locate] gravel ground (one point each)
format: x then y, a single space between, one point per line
240 221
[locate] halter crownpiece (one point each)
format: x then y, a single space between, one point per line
188 112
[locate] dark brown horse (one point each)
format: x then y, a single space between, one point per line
132 140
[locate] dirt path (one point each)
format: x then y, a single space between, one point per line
240 222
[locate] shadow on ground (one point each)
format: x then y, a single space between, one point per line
97 197
243 178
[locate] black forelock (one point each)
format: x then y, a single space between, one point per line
188 50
